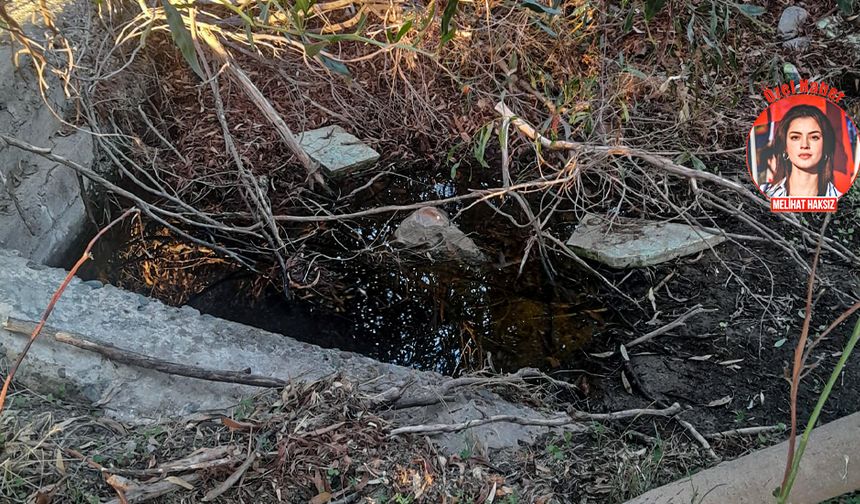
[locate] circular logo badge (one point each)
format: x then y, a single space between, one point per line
803 146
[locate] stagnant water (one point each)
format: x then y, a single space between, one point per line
415 312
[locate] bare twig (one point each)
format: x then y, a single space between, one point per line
698 437
136 359
231 480
747 431
800 353
265 107
678 322
145 492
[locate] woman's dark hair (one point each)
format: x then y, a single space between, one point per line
764 156
825 165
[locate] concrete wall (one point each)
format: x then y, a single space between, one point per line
41 210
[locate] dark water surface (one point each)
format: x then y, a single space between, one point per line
412 311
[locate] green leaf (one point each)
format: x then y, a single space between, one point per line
403 30
250 36
447 16
628 21
750 10
313 49
635 72
652 7
264 13
846 6
552 33
182 37
536 6
359 27
779 343
335 66
697 163
454 169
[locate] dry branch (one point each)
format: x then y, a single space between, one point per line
231 480
561 421
144 361
265 107
145 492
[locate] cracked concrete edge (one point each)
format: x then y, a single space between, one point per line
137 323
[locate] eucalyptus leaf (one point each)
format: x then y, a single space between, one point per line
335 66
539 7
552 33
628 21
264 13
182 37
697 163
652 7
447 15
750 10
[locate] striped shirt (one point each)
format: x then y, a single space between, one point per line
778 190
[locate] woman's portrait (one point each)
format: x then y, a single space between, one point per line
803 148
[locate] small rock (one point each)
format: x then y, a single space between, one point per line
94 284
431 227
796 44
791 20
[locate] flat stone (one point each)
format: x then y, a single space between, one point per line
337 151
633 243
791 20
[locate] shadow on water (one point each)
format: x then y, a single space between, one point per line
411 311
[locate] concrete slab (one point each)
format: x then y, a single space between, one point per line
634 243
182 335
337 151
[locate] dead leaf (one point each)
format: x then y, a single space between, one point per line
321 498
45 495
181 482
729 362
61 466
701 357
237 425
626 383
720 402
492 495
119 483
602 355
623 351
